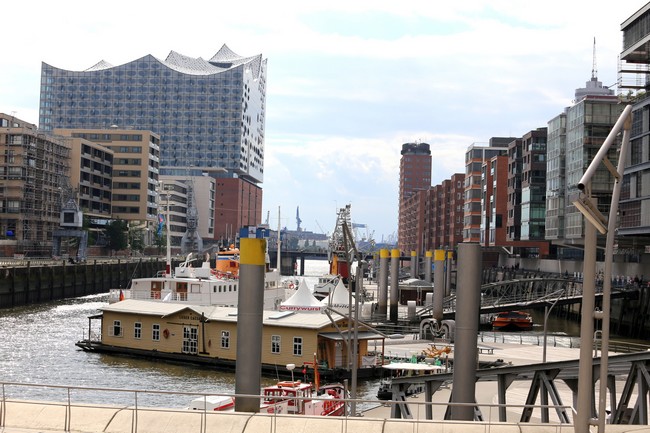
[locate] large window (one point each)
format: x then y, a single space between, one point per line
137 330
225 339
155 332
275 344
297 346
190 339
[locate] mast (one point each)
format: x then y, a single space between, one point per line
168 264
279 243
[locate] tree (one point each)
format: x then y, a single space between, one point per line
116 233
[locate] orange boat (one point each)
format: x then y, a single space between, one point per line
513 320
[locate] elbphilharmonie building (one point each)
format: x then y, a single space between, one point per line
209 113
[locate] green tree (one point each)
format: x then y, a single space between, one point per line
136 239
116 233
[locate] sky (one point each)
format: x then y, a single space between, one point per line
348 82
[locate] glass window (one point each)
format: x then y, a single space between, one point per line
137 330
275 344
225 339
117 328
190 339
155 332
297 346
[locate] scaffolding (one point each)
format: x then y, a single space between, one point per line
35 166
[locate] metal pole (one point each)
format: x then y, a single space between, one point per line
394 284
607 273
438 285
248 379
469 298
414 264
427 266
582 418
382 301
355 344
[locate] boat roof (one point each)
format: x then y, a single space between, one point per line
412 366
221 314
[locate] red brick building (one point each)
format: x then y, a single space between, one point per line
238 204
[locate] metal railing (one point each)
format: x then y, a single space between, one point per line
73 400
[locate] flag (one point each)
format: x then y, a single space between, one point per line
316 375
161 223
121 295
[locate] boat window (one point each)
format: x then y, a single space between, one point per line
155 332
137 330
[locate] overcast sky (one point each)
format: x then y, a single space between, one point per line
348 81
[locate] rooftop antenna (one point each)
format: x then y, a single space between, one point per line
594 69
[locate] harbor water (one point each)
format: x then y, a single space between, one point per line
37 346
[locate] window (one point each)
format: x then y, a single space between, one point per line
155 332
275 344
137 330
190 339
225 339
117 328
297 346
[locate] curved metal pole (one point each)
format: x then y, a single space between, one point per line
607 274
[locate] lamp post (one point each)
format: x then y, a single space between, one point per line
596 221
547 311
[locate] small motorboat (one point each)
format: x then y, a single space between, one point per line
213 403
513 321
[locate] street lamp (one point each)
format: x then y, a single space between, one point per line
583 410
547 311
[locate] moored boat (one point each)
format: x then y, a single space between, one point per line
303 399
513 320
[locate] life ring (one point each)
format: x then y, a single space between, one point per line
166 333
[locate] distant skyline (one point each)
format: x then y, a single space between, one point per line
348 82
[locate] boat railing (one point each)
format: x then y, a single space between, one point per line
76 408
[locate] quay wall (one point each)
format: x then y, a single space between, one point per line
24 282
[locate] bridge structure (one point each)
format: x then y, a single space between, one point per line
528 293
628 407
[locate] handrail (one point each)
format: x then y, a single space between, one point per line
139 419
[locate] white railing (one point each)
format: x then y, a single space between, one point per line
74 408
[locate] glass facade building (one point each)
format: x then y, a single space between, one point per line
208 114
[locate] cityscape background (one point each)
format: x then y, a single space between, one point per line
349 84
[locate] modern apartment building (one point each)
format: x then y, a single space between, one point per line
555 177
208 114
513 222
36 167
414 175
443 220
134 171
91 175
495 201
533 185
475 156
634 78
